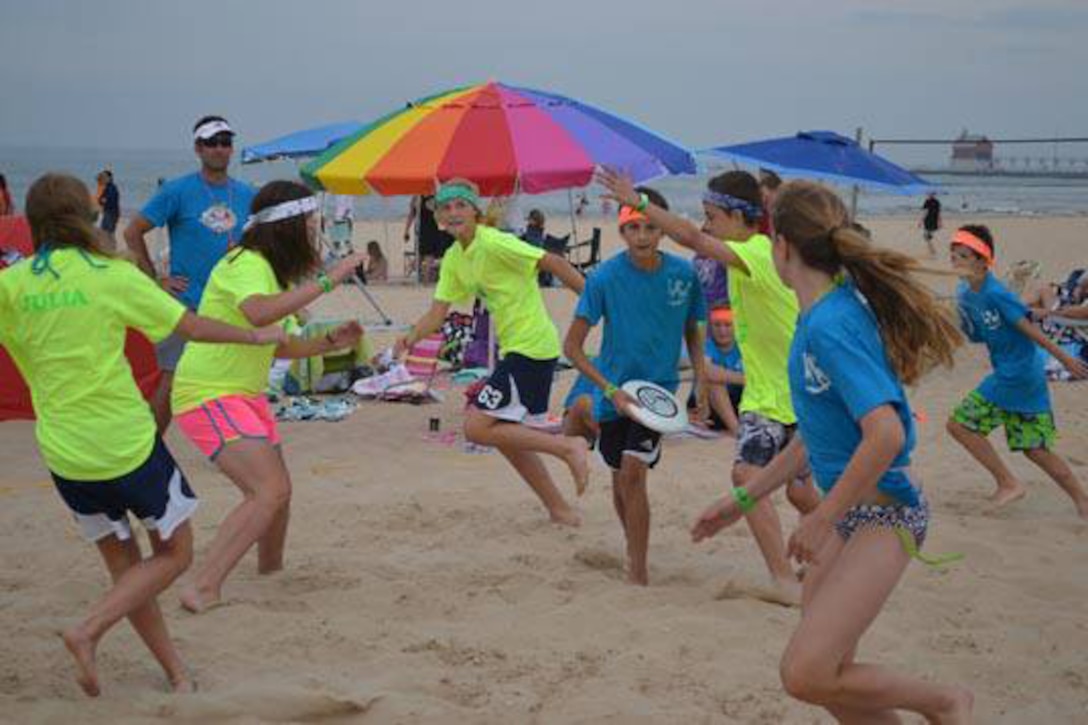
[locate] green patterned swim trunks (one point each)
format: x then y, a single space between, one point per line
1023 431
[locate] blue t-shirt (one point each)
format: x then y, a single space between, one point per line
729 359
645 314
204 221
839 372
989 316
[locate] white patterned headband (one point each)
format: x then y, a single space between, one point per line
279 212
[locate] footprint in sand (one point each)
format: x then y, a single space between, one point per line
600 560
737 590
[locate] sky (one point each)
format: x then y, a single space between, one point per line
138 73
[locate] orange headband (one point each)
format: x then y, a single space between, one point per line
722 314
629 214
965 238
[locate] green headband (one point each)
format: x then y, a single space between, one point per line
449 192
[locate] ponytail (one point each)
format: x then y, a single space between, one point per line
918 332
58 208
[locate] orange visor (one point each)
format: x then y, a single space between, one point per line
967 239
629 214
722 314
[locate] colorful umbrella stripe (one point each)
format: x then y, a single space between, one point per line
504 138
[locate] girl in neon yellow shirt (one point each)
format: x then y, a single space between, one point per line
218 394
63 318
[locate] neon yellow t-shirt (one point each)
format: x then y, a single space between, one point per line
765 315
64 327
207 371
502 270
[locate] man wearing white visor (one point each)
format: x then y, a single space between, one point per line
204 213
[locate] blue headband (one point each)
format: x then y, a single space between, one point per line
449 192
732 203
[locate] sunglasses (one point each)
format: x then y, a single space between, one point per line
224 140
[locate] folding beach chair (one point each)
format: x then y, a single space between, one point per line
422 363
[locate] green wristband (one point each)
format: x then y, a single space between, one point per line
643 202
325 282
744 499
610 391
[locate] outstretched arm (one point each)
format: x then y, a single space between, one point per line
678 229
204 329
563 270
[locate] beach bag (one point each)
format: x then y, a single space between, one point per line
456 337
475 355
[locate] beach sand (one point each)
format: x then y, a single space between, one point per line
425 585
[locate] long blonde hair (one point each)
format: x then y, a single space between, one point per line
918 332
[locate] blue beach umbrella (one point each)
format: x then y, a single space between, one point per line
828 156
300 144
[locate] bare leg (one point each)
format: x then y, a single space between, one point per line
532 470
803 495
767 530
483 429
271 545
160 401
1056 467
617 501
255 468
718 395
817 666
636 508
136 582
578 420
1009 489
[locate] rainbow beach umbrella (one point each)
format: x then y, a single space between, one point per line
506 139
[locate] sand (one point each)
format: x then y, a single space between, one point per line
424 584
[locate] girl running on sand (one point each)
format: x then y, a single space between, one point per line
218 392
63 317
852 351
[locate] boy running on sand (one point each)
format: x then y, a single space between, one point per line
649 301
1015 395
63 317
502 269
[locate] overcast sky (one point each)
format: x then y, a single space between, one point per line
137 73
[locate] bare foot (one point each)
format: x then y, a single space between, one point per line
577 458
1082 508
786 592
82 649
638 577
266 569
182 684
958 711
1006 495
565 516
196 601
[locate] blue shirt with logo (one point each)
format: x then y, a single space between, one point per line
645 315
989 316
204 220
840 372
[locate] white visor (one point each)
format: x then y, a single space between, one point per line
279 212
209 129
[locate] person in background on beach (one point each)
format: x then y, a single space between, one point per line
218 392
534 228
204 213
650 302
1015 394
931 221
502 269
7 206
769 182
431 241
764 313
377 266
724 372
63 318
853 350
109 201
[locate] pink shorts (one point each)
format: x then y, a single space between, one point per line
233 417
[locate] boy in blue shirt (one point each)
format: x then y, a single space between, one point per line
1015 394
649 300
724 371
204 213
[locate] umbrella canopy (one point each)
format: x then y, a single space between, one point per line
504 138
825 155
300 144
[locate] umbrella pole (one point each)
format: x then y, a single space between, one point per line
573 218
854 191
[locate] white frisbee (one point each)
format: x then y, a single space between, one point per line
659 409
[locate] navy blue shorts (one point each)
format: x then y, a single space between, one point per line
518 388
156 493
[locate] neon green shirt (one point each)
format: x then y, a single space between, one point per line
765 314
502 270
207 371
64 326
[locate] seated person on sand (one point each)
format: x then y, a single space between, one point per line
377 266
724 372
